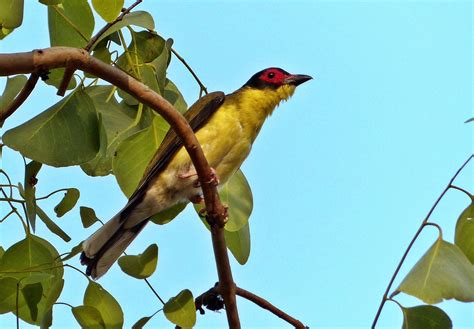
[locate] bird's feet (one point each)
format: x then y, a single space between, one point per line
214 178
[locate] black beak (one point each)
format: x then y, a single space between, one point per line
297 79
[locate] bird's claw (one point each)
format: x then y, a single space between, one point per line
214 179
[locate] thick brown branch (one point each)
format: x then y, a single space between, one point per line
424 223
20 98
269 307
56 57
70 72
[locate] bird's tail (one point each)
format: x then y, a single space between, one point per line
104 247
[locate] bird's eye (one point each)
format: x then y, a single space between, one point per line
271 75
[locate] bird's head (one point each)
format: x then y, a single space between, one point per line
276 79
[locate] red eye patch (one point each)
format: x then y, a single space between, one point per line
273 76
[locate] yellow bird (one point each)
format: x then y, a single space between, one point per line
226 127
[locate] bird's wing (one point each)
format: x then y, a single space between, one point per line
197 115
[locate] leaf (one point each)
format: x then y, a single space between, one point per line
55 77
141 323
74 251
33 253
464 236
469 120
52 226
88 317
425 316
168 215
236 193
181 310
105 303
134 154
88 216
117 123
174 96
71 23
32 294
138 18
8 287
443 272
66 134
50 2
161 64
140 266
68 202
2 251
238 243
31 171
11 13
13 86
108 9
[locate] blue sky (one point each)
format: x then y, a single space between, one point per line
342 174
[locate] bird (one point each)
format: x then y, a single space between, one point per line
226 126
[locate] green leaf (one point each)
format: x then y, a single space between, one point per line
118 121
66 134
174 96
11 13
443 272
144 48
74 251
68 202
168 215
13 86
8 289
31 171
141 323
424 317
238 243
52 226
161 64
105 303
33 293
88 317
55 77
138 18
134 154
30 258
140 266
464 236
2 251
108 9
181 310
50 2
71 23
88 216
237 195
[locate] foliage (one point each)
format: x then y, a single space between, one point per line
105 131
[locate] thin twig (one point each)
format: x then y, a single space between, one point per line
270 307
462 190
154 291
412 242
20 98
202 87
50 194
109 25
63 303
70 71
25 227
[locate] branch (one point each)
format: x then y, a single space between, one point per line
56 57
202 87
69 72
20 98
270 307
412 242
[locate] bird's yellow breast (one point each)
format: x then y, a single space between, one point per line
226 140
